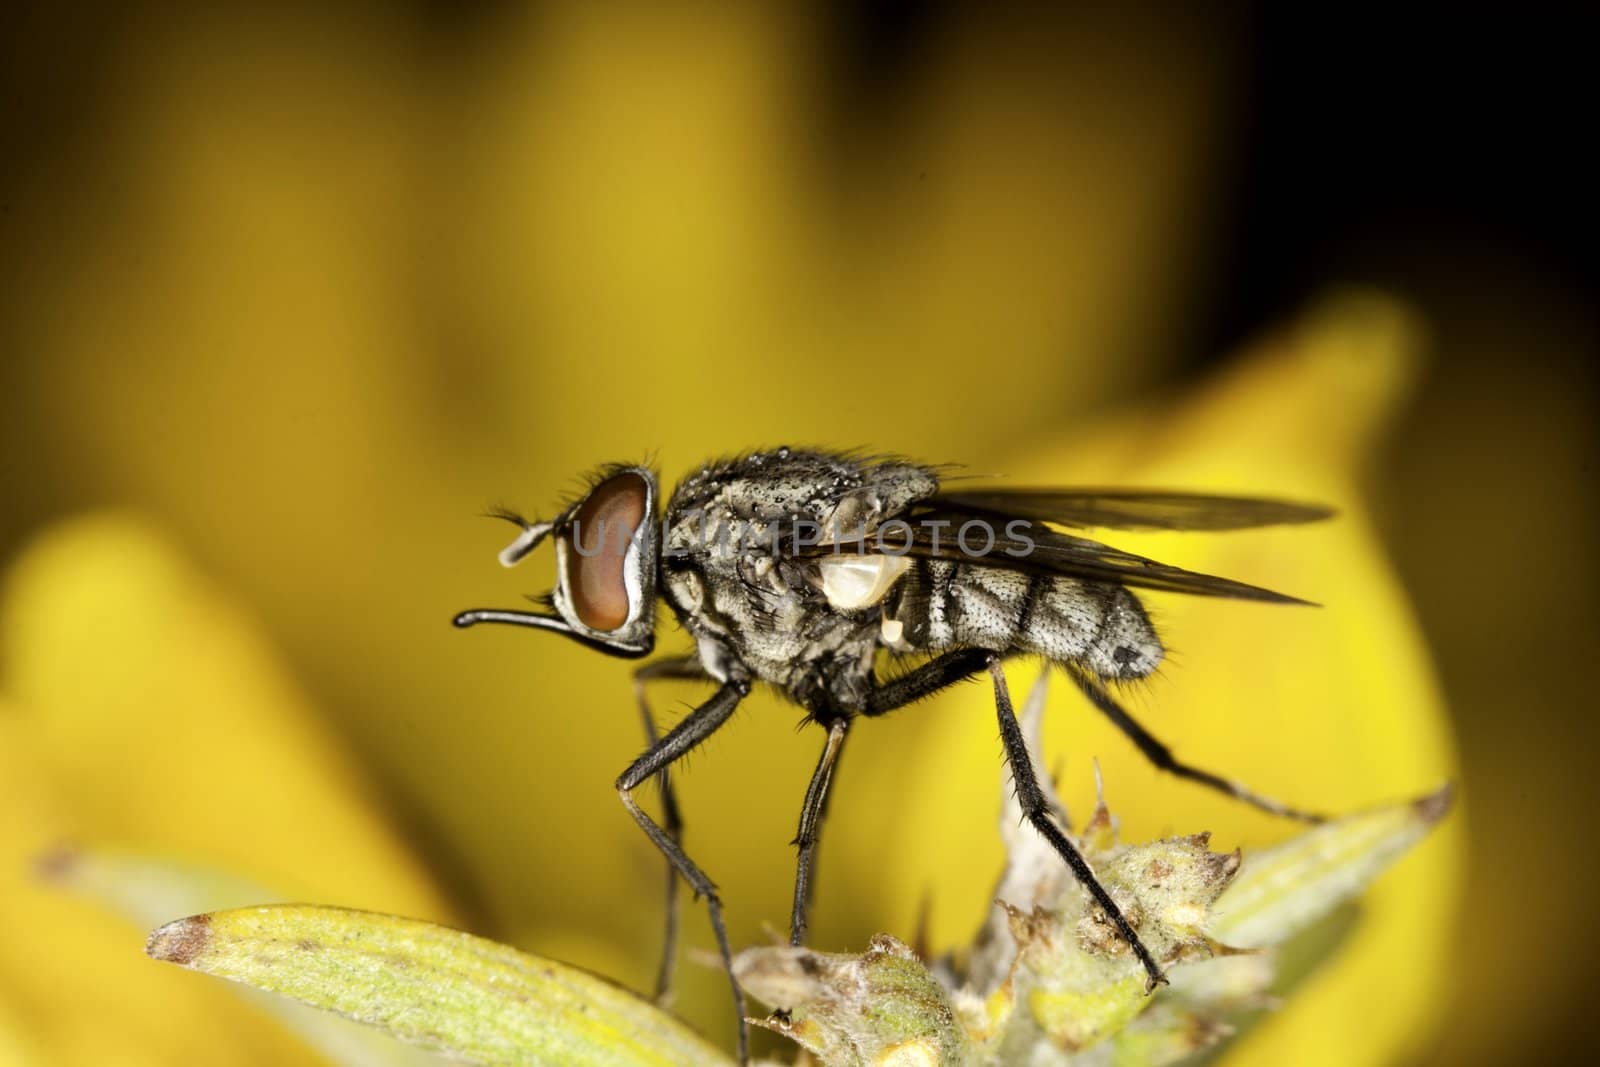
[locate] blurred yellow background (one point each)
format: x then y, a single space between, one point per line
292 295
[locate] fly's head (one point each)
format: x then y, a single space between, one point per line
606 557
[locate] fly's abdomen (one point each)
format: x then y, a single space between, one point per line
951 604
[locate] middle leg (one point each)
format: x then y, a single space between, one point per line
811 812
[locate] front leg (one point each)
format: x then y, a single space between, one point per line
699 725
684 667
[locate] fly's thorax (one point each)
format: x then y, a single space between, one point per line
787 637
838 493
735 569
769 617
736 591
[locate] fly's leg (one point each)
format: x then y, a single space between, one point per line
1037 812
671 819
699 725
952 667
805 840
934 675
1160 755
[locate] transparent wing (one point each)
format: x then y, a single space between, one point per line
1133 509
1022 544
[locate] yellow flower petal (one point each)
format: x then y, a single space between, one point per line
17 1049
73 989
160 712
144 710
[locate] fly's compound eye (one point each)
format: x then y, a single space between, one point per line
597 540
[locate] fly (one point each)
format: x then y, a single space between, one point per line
811 571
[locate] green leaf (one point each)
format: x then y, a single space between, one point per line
148 891
436 987
1282 890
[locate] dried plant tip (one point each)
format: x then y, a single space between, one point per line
181 941
1437 804
56 863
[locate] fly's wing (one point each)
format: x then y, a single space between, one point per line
1022 544
1132 509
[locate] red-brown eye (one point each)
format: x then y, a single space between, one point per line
597 544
